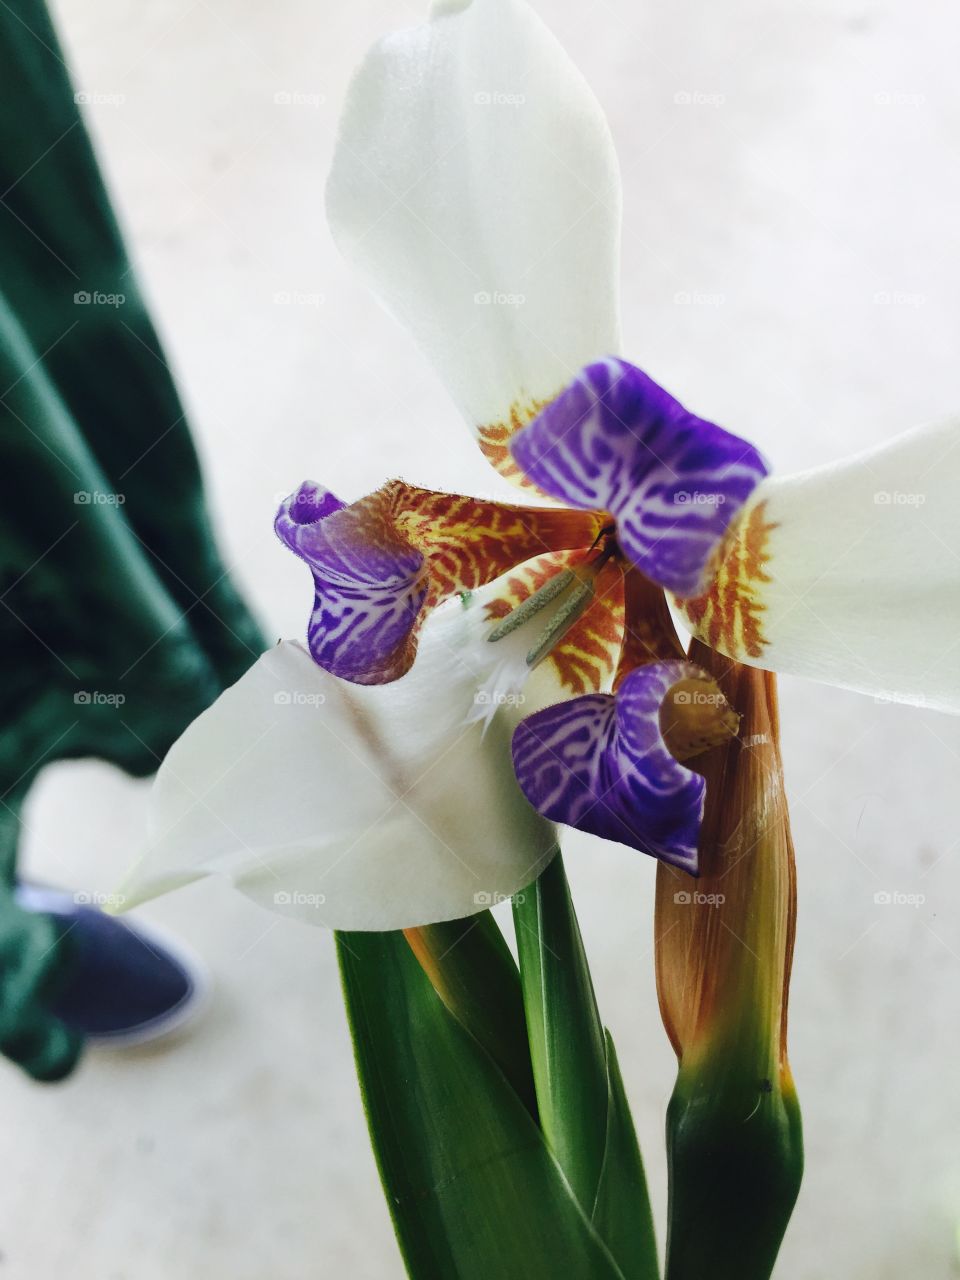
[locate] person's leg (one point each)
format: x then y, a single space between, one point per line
118 621
32 960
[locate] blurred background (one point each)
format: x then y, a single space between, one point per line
790 269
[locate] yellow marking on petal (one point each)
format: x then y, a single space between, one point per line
729 614
468 542
494 440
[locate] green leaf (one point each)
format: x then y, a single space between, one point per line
583 1108
473 1189
473 972
621 1212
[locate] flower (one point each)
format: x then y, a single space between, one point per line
476 187
654 490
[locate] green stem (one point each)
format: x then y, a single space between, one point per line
735 1161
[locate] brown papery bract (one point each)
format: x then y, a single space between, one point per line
724 941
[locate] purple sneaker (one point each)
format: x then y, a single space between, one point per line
122 983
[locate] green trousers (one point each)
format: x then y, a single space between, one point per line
118 622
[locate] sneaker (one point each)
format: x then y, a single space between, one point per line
122 983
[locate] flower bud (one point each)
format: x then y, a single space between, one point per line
724 949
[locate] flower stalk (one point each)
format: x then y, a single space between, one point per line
724 952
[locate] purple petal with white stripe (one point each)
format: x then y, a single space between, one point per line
369 587
305 506
616 441
599 763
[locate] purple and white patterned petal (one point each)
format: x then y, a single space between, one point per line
305 506
616 441
370 588
599 763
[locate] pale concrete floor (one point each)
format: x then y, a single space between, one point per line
241 1152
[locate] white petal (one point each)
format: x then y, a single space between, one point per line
346 806
475 185
861 584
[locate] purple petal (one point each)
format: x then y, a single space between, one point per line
306 505
616 441
369 587
599 763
